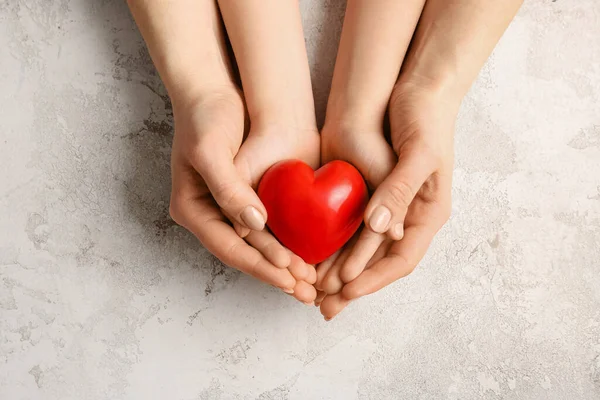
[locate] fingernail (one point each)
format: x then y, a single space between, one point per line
317 304
288 291
399 230
380 219
253 219
327 319
309 303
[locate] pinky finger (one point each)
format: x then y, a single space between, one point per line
319 298
273 251
366 246
323 269
305 292
332 305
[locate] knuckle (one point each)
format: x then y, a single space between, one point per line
409 270
227 256
273 248
400 194
202 151
253 267
225 194
352 292
403 266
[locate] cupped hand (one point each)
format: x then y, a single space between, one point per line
209 190
408 207
362 144
264 147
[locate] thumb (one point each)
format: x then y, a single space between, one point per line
389 204
233 194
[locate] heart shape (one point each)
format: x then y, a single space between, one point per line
313 213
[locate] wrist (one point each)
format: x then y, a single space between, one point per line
187 101
281 112
361 114
188 86
424 88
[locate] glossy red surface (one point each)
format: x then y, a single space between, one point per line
313 213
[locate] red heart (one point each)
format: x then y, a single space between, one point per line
313 213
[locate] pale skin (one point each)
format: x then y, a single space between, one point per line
215 161
219 156
412 200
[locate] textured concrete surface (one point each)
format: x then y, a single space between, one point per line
103 297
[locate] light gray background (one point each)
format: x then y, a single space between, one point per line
103 297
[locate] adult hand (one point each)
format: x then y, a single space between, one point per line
448 48
374 41
409 206
188 46
207 187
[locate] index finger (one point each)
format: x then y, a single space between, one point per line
363 250
208 225
401 260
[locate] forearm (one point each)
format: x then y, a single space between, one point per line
374 41
268 42
187 44
453 40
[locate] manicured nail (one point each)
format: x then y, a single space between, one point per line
380 219
399 230
253 219
288 291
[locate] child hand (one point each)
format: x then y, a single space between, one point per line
264 147
364 146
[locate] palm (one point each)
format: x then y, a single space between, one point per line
263 149
373 156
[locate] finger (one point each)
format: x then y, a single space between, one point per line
401 260
332 283
305 293
363 250
332 305
241 230
234 195
388 205
380 253
312 276
205 221
273 251
320 296
299 269
324 267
